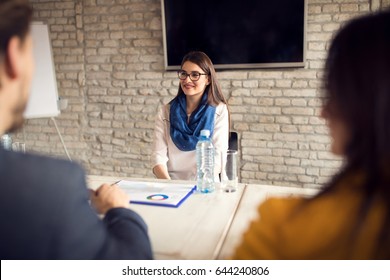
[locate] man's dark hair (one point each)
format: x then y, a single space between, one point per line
15 18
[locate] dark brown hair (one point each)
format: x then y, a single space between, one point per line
15 18
204 62
357 91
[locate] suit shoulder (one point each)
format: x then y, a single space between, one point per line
43 168
53 163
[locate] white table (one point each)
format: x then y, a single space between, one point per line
194 230
247 211
205 226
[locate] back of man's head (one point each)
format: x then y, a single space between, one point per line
15 18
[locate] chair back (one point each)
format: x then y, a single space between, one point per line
233 141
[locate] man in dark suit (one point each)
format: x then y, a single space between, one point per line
44 203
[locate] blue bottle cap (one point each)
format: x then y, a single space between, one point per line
205 132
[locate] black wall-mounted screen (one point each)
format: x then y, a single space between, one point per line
235 34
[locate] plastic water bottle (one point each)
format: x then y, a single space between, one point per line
205 163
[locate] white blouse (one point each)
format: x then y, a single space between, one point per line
182 164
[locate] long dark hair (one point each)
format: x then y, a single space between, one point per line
204 62
357 91
15 18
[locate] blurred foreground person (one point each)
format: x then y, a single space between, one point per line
44 202
350 218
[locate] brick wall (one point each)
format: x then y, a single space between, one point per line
109 64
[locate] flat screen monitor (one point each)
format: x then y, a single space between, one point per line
235 34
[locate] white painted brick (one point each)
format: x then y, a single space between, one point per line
296 170
327 172
250 167
305 179
265 75
268 92
296 120
297 111
292 161
234 75
330 27
251 84
281 152
283 83
264 101
283 119
299 93
248 175
288 129
235 101
349 8
331 8
306 129
299 102
279 168
268 159
299 84
266 83
314 9
313 27
241 92
319 18
313 171
241 127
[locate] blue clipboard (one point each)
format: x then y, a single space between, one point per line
157 193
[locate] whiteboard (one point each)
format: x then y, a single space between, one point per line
43 98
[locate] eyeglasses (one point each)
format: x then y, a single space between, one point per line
194 76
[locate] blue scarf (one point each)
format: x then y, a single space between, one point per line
185 135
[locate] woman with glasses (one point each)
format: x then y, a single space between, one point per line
199 104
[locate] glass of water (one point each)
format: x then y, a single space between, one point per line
19 147
229 178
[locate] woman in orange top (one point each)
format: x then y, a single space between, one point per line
350 218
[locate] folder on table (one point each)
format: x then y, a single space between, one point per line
156 193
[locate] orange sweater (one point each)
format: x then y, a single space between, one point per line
294 228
